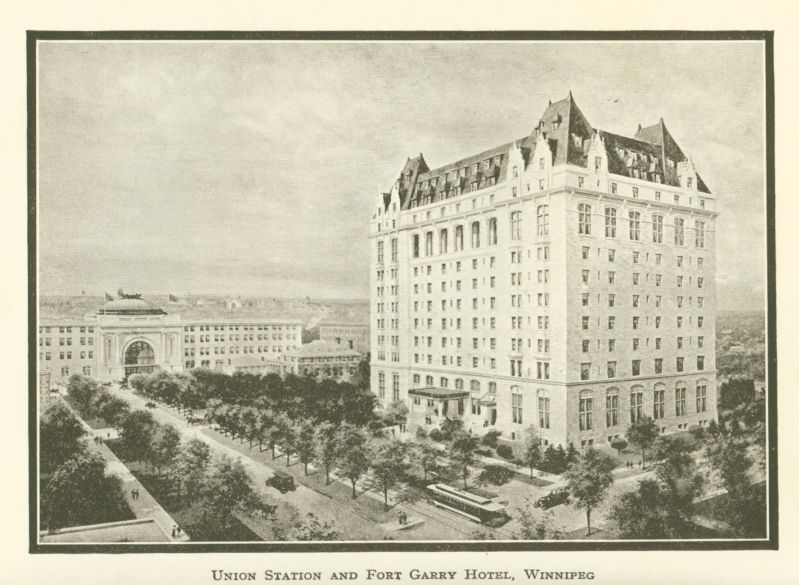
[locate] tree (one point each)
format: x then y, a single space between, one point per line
736 392
286 437
137 382
388 465
642 434
305 434
588 480
165 446
326 448
396 413
191 465
82 392
60 436
638 514
449 426
537 524
360 379
80 493
314 529
426 456
137 430
461 451
352 457
532 449
745 508
113 410
618 444
227 488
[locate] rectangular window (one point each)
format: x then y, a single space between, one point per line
700 362
636 367
680 364
700 234
515 225
585 371
611 369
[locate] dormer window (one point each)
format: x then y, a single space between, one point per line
597 163
690 182
541 163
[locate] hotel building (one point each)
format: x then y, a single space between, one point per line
131 335
565 280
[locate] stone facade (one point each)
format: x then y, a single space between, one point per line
560 279
127 336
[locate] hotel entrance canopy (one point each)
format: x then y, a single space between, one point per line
439 393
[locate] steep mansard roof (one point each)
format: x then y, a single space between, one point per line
568 134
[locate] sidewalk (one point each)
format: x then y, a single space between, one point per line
145 506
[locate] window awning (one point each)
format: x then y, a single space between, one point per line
440 393
487 400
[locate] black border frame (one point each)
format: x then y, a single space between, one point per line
764 36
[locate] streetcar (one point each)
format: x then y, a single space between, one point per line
468 505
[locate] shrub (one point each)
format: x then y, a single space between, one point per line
618 444
421 433
505 451
496 474
484 452
436 435
491 438
697 432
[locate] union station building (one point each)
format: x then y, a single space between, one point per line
130 335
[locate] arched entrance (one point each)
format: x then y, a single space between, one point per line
139 359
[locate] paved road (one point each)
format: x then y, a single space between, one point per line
303 498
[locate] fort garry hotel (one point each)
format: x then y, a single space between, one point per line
565 280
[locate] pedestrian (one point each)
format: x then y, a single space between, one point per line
178 528
399 517
174 531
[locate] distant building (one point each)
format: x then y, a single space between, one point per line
564 280
349 335
131 335
323 359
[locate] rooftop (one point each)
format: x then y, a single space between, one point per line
319 348
130 305
651 155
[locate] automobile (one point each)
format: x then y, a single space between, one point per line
150 404
282 481
552 499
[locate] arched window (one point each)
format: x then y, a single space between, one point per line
443 244
492 231
584 219
476 234
458 384
659 401
417 379
429 381
586 410
516 404
610 222
611 407
444 382
458 238
679 399
475 386
636 403
543 409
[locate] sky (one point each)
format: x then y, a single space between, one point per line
249 168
